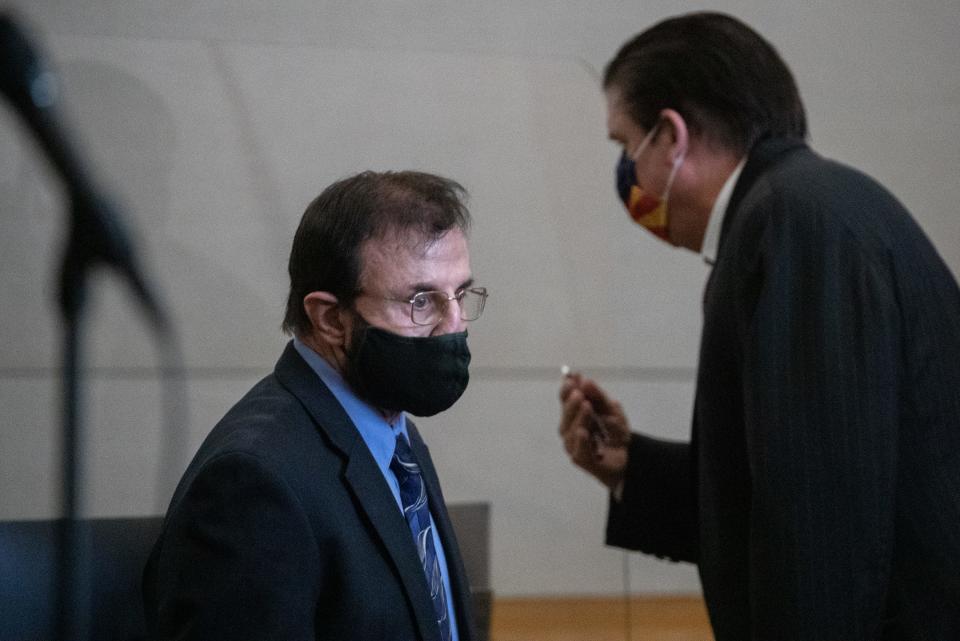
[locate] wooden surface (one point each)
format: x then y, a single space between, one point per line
660 618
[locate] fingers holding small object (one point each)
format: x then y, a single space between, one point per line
570 381
576 438
584 432
570 407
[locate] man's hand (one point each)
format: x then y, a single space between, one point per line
594 430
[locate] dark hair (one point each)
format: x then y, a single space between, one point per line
727 82
326 248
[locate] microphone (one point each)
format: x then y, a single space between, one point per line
97 234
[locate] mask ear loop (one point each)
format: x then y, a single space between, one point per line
673 174
644 143
676 161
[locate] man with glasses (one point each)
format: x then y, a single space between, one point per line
312 510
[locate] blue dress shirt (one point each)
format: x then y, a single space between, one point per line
380 437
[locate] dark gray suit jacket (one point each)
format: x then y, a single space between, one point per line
284 528
820 492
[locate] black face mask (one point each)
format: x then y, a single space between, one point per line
419 375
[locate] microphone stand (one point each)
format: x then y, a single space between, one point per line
73 560
72 554
96 236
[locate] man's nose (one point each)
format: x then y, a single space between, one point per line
451 321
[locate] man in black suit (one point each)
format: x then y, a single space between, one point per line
312 510
819 494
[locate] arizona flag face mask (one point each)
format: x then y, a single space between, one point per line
644 208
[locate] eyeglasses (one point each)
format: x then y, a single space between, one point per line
427 308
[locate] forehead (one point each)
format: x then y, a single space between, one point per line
396 263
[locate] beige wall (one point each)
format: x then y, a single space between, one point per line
216 124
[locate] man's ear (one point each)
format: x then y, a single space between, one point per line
324 311
679 134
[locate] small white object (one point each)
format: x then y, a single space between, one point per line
565 370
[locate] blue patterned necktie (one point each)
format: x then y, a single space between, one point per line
413 496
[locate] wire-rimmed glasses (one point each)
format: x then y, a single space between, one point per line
428 308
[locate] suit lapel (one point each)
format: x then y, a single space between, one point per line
377 502
764 155
365 481
451 550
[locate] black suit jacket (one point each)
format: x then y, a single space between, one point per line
284 528
820 492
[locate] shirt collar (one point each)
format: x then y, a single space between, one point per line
711 239
379 435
